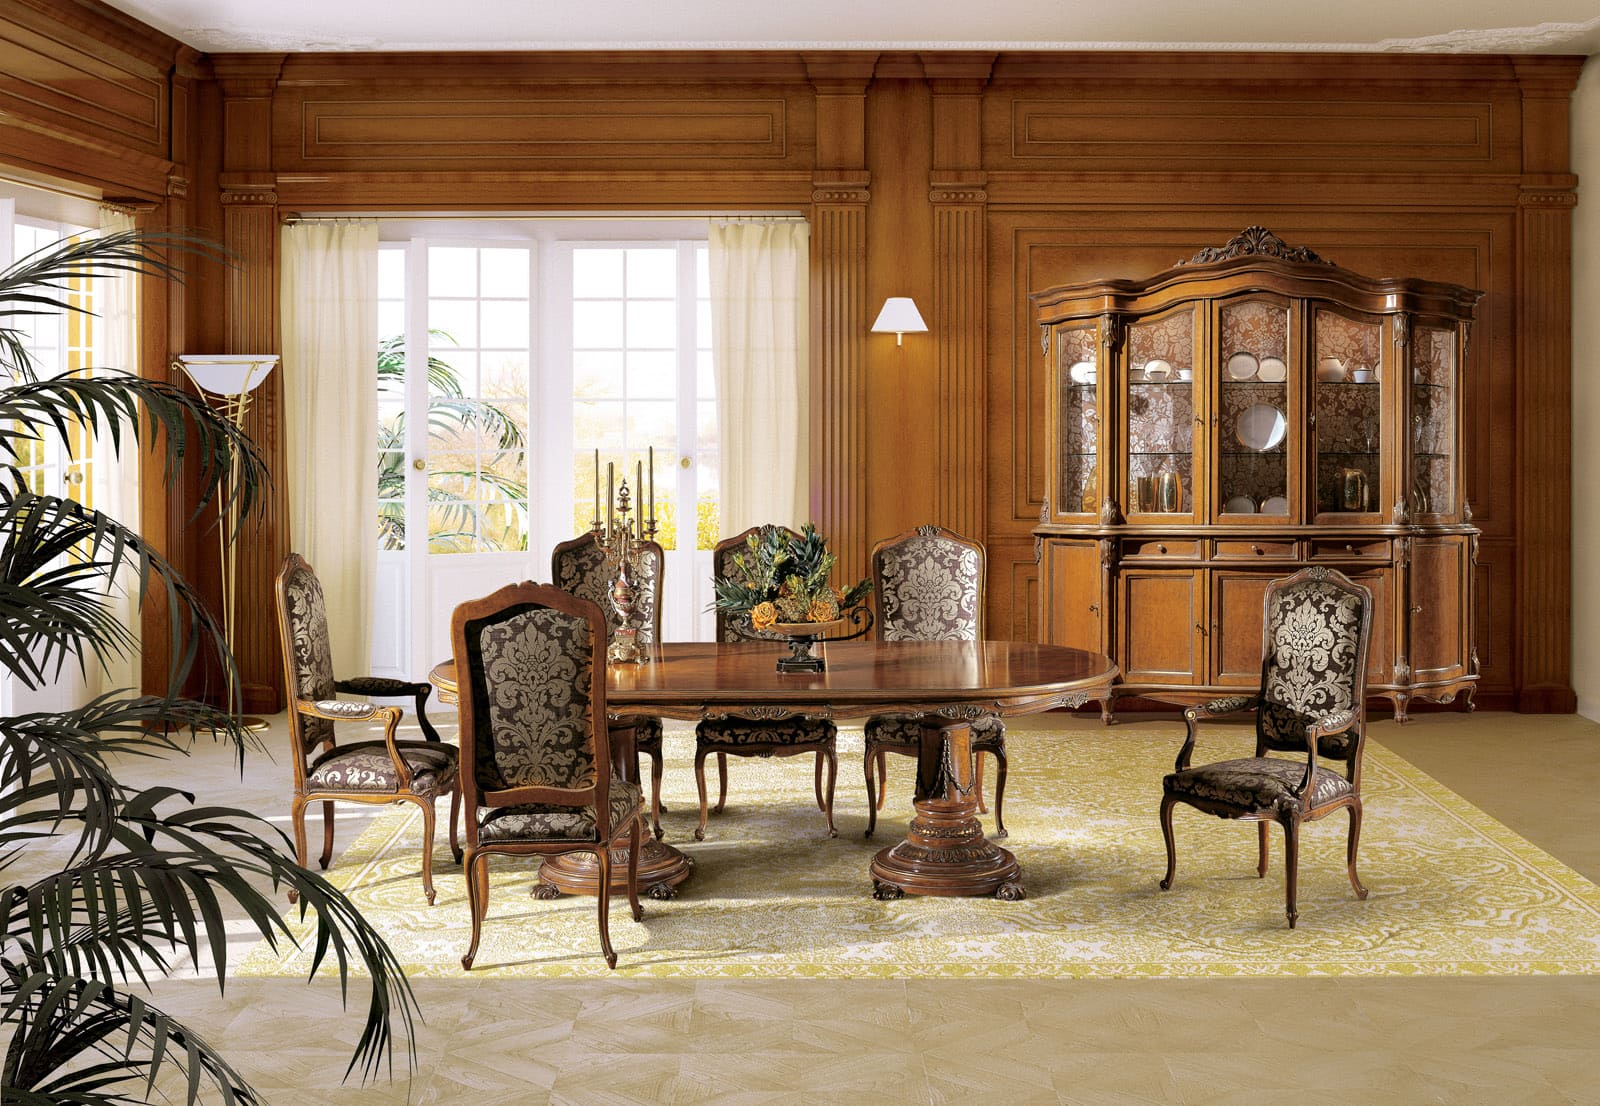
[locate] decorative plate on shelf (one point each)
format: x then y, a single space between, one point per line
1273 370
1276 505
1260 426
1242 366
1082 373
1157 369
1240 505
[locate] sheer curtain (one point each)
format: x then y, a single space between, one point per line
113 475
329 300
759 325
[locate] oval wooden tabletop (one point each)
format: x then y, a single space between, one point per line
692 680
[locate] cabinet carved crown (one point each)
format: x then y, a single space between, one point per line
1246 413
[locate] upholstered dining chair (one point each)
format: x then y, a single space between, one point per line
742 737
326 771
1312 703
929 584
579 566
537 771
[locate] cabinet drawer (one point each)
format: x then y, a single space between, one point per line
1352 550
1147 550
1258 550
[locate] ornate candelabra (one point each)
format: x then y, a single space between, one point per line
621 537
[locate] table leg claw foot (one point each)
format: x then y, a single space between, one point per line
661 891
886 892
1010 892
545 891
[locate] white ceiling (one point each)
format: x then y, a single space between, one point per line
1522 26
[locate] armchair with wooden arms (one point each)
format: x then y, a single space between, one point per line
929 584
579 566
326 771
537 768
1312 702
746 737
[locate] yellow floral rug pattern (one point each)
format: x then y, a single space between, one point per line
1453 892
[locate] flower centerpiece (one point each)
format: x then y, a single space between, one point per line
779 584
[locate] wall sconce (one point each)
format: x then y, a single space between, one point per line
233 376
900 315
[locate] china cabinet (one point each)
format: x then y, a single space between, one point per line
1246 413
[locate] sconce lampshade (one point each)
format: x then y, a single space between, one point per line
227 374
901 316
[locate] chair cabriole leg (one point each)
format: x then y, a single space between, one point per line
455 818
427 847
603 859
297 818
977 780
327 834
1167 803
722 782
477 872
1291 866
833 775
872 793
1350 849
1000 791
1263 850
700 782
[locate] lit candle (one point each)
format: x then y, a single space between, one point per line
652 489
611 497
597 489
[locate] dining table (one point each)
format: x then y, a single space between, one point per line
946 684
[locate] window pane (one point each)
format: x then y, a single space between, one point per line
596 375
702 272
596 272
597 325
391 274
652 324
653 272
702 325
458 368
653 421
452 271
457 318
598 426
391 317
652 375
505 272
504 376
504 324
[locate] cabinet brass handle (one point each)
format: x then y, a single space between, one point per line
1416 610
1348 548
1094 608
1161 549
1257 550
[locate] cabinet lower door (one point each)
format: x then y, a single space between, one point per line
1161 623
1440 645
1072 595
1381 643
1237 611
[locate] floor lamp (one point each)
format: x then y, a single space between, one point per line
232 377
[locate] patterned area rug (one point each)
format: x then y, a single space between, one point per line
1453 892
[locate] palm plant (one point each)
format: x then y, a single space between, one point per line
451 412
115 885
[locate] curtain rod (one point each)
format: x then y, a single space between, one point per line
544 217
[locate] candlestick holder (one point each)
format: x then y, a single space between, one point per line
621 538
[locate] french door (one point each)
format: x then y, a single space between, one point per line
505 362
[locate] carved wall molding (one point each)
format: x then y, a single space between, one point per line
1553 198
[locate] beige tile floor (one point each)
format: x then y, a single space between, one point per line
1380 1041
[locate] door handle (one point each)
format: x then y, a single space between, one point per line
419 464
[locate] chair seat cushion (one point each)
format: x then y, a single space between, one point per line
366 766
538 822
1253 783
903 731
734 733
646 732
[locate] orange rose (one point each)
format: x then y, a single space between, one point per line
763 615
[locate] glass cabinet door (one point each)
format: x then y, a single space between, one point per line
1078 481
1252 372
1160 406
1433 417
1348 412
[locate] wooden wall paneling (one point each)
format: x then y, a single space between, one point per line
250 232
1544 396
960 307
839 317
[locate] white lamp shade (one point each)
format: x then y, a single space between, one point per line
899 316
228 374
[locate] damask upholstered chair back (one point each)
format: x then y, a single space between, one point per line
1312 704
738 628
1314 660
579 566
929 587
366 769
308 655
929 584
531 665
535 745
